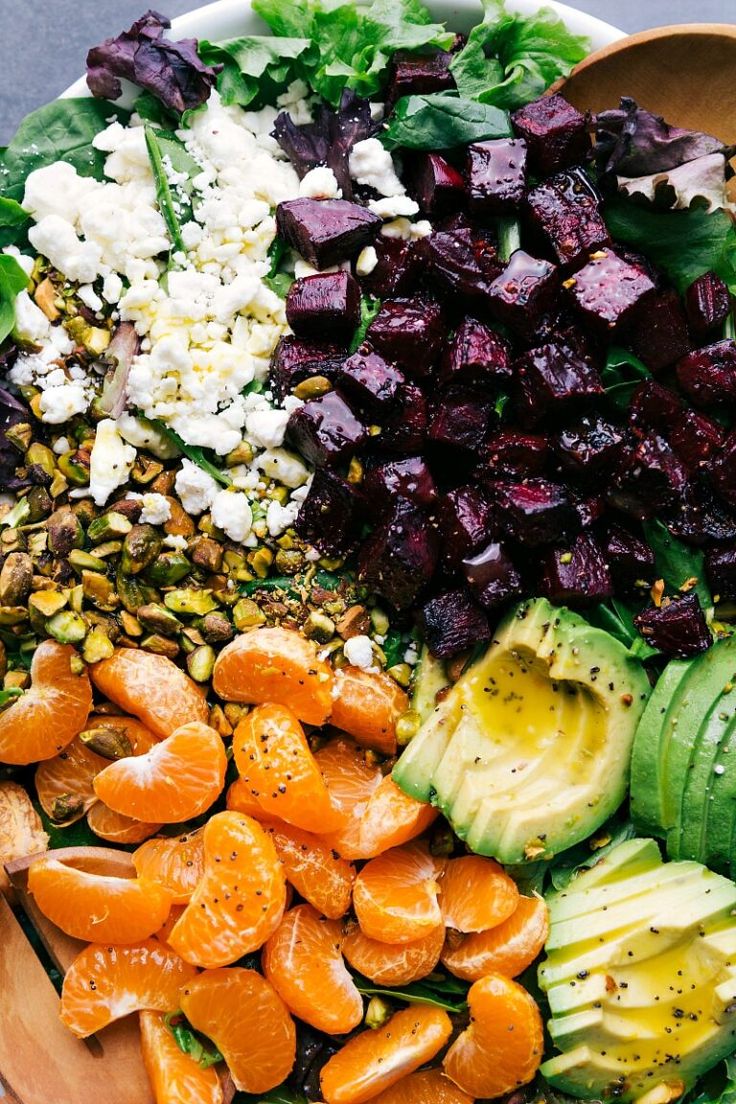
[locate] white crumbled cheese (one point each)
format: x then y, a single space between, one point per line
359 651
372 165
400 206
60 403
399 228
110 461
61 445
411 655
176 542
196 489
90 298
367 261
303 268
294 100
231 512
56 238
421 229
155 509
279 518
112 288
25 262
265 426
31 324
320 183
57 189
144 435
283 467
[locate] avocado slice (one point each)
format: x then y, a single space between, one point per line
529 751
643 992
646 771
716 730
429 678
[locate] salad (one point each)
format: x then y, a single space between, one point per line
368 564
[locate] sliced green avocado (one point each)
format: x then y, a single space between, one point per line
646 783
529 751
716 732
430 677
642 990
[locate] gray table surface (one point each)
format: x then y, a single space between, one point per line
43 45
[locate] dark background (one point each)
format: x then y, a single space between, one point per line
43 43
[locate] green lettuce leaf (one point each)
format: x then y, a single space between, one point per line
13 281
14 222
443 120
256 69
677 562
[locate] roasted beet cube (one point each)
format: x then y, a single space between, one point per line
325 305
409 332
452 623
534 512
435 184
496 175
410 478
476 355
590 508
630 559
720 564
326 231
555 133
331 515
650 477
551 380
695 438
523 292
295 360
465 521
325 430
699 516
576 575
413 74
566 210
723 470
370 382
589 446
515 454
461 265
492 576
400 556
608 290
397 270
677 627
460 418
404 431
654 406
659 333
708 375
707 304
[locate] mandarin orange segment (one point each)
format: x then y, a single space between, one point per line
274 759
376 1059
152 688
176 780
303 961
367 705
248 1022
397 963
140 737
175 1077
425 1087
116 828
167 927
316 872
506 949
52 712
105 983
240 798
502 1048
64 783
95 907
476 894
240 899
276 665
177 863
395 896
350 781
391 818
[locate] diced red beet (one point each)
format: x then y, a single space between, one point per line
413 74
519 455
654 406
466 522
496 175
708 375
476 355
409 332
400 556
492 576
678 627
720 564
699 517
409 478
326 231
325 430
608 290
460 418
523 291
452 624
650 478
576 575
324 305
589 508
295 360
554 131
722 470
552 380
370 383
331 515
461 265
707 303
566 210
435 184
397 270
560 326
659 334
630 559
589 447
535 511
405 430
695 438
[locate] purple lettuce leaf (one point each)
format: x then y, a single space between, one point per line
170 71
12 412
633 142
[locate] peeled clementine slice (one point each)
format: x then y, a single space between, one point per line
367 705
303 961
64 783
177 863
476 894
49 715
240 798
395 895
246 1019
276 665
116 828
175 1077
425 1087
393 963
240 898
105 983
506 949
176 780
152 688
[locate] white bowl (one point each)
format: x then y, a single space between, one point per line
232 18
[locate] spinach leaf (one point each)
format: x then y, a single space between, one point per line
60 131
195 453
369 308
718 1086
255 69
202 1050
78 834
164 196
446 992
621 374
676 562
443 120
13 280
617 618
14 222
393 647
510 59
584 855
278 281
8 696
151 110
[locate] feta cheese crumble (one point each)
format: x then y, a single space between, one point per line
371 164
231 512
359 651
196 489
110 462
